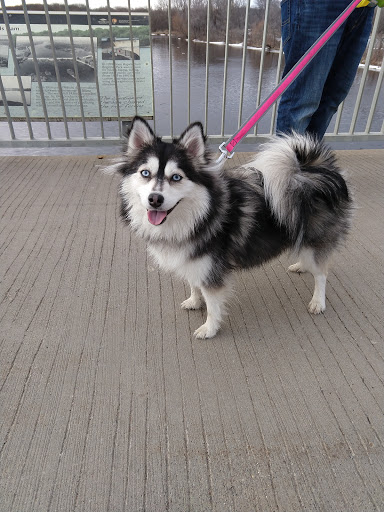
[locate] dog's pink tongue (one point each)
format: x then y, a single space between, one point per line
156 217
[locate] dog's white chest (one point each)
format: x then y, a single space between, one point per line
178 261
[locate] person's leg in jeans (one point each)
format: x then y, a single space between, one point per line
343 71
303 21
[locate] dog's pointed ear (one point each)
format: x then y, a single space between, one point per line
139 135
193 141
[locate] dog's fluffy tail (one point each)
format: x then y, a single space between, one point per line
303 186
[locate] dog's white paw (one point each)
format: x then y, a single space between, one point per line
205 331
315 307
296 267
192 303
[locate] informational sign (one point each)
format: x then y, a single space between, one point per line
112 51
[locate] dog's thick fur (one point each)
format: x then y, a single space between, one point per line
202 222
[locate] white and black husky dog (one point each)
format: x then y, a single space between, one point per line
202 222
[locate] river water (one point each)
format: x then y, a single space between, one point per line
215 94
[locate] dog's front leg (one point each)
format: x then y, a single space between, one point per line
195 301
215 299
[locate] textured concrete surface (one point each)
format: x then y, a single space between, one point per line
109 404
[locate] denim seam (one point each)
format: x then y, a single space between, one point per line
287 21
288 11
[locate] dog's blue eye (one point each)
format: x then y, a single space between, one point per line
145 173
176 177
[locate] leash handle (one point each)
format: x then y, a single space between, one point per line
227 147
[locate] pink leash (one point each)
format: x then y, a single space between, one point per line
227 147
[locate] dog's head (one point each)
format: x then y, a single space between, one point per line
165 185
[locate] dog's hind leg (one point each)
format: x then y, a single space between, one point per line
317 304
297 267
215 299
317 265
195 301
301 266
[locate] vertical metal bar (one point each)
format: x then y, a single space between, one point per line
207 65
262 58
245 43
375 98
225 68
133 56
189 61
75 67
7 113
37 71
57 71
152 75
338 118
17 68
376 93
114 69
278 74
170 64
365 73
95 64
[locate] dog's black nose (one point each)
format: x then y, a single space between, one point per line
155 200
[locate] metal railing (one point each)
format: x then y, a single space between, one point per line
28 131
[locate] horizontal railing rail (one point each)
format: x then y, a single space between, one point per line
71 99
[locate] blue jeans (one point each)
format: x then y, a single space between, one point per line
313 98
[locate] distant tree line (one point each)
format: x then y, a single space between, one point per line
218 20
198 14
